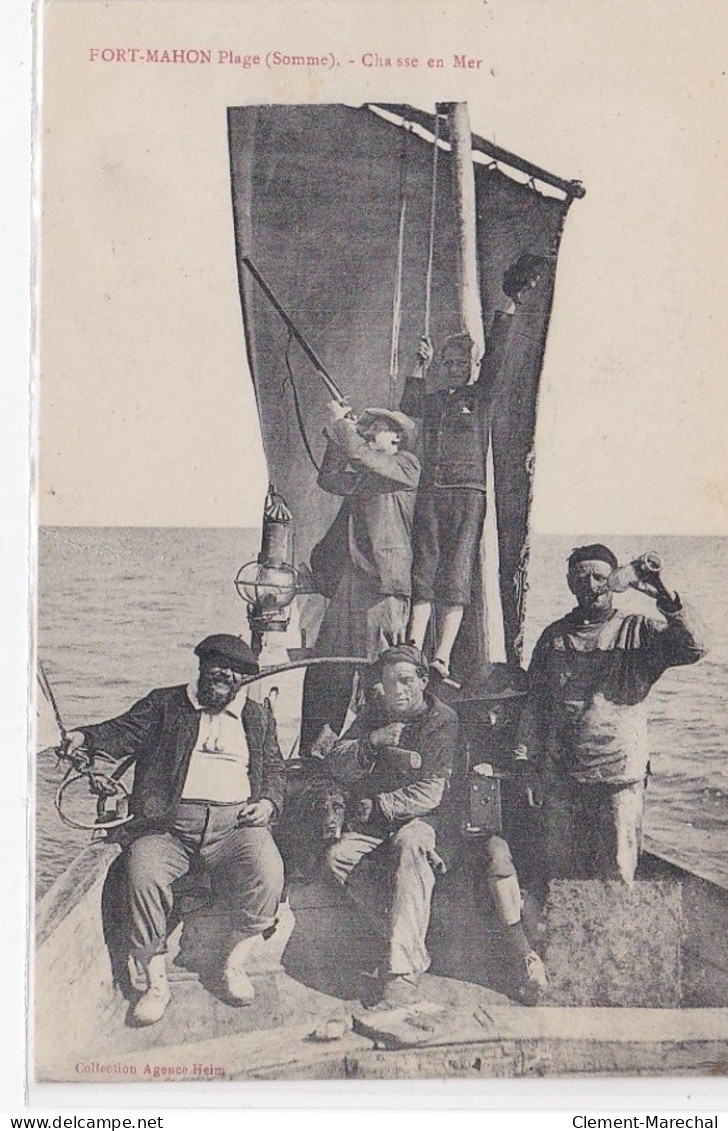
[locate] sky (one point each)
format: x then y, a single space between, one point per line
147 414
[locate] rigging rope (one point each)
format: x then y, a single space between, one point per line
297 404
397 296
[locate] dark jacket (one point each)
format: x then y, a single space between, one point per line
586 712
402 790
455 423
374 526
160 732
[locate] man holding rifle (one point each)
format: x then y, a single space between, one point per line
364 562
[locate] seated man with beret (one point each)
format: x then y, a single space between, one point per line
209 778
397 757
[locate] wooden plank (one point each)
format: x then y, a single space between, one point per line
705 920
239 1056
86 871
504 1059
577 1025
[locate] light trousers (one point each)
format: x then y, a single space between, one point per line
593 830
403 919
244 865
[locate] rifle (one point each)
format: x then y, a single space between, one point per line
318 365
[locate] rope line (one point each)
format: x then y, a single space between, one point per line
297 405
397 295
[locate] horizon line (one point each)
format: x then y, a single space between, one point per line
583 531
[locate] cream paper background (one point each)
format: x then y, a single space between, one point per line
147 413
146 410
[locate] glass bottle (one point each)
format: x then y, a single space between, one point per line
645 568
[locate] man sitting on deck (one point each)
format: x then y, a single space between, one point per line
209 778
397 755
583 733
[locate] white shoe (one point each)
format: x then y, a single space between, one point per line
238 985
138 980
152 1004
399 989
536 982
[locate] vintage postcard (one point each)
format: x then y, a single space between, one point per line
381 625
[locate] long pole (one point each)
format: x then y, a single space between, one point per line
318 365
464 195
409 115
468 284
316 661
48 692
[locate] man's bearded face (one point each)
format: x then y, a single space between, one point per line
217 684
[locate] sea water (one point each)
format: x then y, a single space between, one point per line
119 611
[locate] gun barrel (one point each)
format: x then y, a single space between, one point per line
318 365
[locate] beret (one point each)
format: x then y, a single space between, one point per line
595 552
231 648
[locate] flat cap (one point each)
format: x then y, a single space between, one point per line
403 653
399 420
230 648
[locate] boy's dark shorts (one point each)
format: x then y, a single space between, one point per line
448 525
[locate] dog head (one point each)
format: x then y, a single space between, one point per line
323 806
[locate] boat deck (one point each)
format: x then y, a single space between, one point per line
308 979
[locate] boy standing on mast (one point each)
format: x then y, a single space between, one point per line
450 509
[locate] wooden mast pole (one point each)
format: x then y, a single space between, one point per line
463 174
471 317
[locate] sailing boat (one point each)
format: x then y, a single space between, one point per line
355 219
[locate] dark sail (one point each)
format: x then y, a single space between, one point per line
316 198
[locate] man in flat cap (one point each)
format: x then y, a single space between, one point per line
209 779
396 758
364 562
583 732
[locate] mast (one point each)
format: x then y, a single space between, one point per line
486 626
463 174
